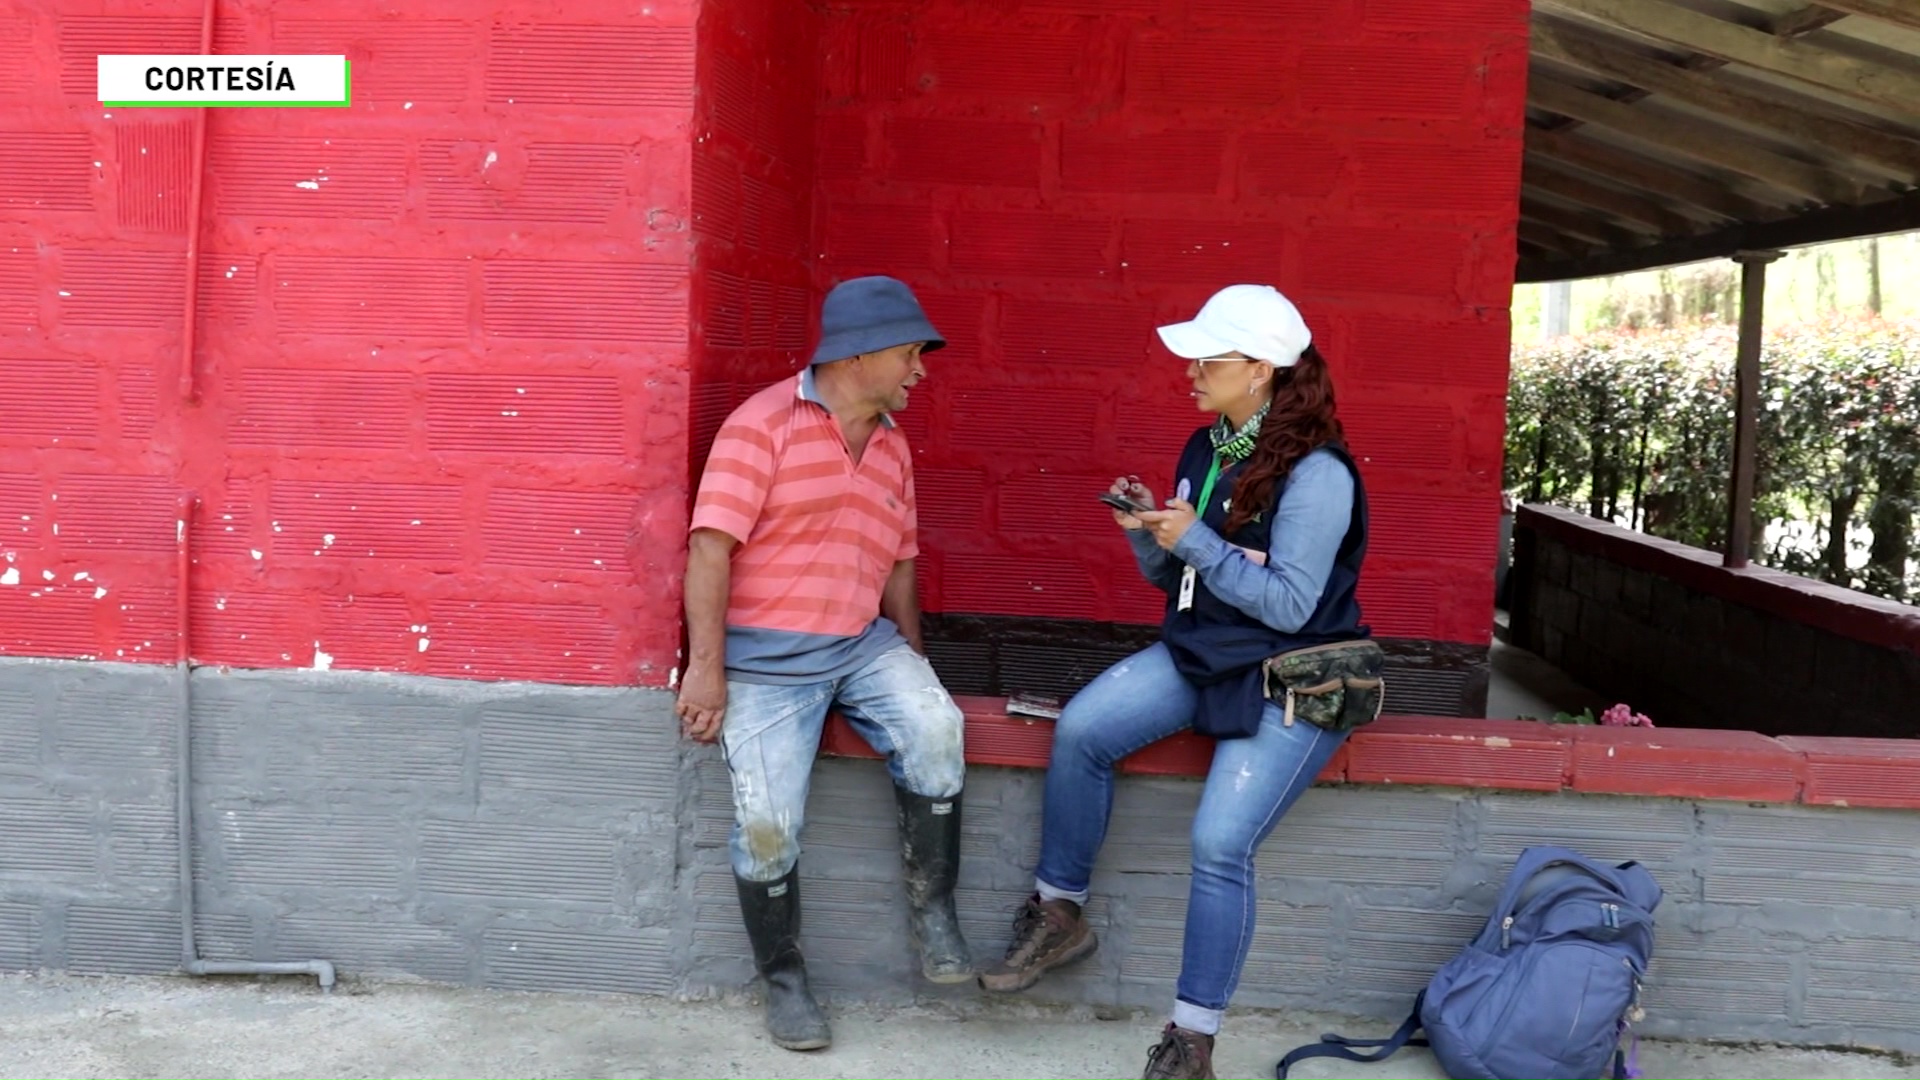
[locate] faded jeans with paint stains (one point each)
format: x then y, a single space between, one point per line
771 735
1252 782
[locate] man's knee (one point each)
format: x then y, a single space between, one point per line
939 746
765 849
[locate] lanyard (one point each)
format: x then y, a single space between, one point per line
1187 576
1206 489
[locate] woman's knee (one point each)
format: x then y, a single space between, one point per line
1222 848
1077 734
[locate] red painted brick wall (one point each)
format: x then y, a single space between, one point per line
1055 179
754 300
460 346
442 363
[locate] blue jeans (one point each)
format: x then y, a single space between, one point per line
771 735
1253 781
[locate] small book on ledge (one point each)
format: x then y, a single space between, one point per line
1044 706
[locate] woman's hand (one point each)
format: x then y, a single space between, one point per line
1169 525
1130 487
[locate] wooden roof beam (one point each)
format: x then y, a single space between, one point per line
1531 250
1544 196
1578 225
1810 64
1702 142
1898 12
1806 20
1706 91
1541 236
1885 216
1634 211
1673 184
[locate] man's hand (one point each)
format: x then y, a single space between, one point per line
703 702
703 692
1169 525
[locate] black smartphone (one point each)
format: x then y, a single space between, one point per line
1123 504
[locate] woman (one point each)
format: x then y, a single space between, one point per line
1259 553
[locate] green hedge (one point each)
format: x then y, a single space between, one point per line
1637 428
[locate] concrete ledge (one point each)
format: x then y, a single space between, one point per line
1872 619
554 838
1691 643
1517 755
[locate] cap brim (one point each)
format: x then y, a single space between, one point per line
1188 342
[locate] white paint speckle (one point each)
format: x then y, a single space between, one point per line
100 593
46 575
327 540
509 412
519 389
491 159
309 185
673 679
11 577
256 555
408 105
83 576
219 603
321 661
64 292
423 644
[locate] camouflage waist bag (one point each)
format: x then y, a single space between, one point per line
1337 687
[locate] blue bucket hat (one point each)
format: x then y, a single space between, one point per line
868 314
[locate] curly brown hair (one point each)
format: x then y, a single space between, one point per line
1300 420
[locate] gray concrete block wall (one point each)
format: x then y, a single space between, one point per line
1689 659
551 838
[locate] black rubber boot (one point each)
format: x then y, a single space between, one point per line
772 913
930 846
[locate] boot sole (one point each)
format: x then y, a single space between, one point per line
803 1044
1014 982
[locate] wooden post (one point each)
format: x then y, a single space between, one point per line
1746 402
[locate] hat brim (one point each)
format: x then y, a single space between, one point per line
875 338
1188 342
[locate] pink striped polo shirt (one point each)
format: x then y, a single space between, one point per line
818 533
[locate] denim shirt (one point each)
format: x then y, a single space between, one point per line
1316 507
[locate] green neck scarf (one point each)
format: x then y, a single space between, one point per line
1237 445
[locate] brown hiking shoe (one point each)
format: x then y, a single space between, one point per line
1181 1055
1046 934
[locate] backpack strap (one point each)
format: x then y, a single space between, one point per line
1339 1046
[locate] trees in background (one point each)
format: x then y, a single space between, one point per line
1636 427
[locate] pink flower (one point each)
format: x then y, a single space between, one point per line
1623 716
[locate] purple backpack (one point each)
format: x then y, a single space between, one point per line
1546 991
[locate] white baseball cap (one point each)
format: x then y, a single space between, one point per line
1252 320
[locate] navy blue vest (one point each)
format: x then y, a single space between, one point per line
1218 647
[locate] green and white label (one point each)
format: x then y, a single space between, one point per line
312 82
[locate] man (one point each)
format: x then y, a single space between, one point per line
800 596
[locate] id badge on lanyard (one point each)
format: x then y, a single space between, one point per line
1188 576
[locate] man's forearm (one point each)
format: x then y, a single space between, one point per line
900 601
708 571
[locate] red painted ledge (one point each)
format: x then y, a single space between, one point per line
1516 755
